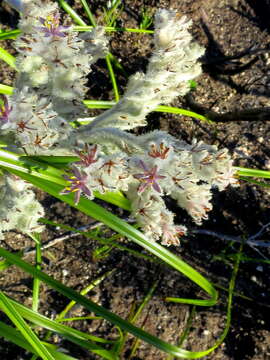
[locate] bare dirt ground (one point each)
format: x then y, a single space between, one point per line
236 77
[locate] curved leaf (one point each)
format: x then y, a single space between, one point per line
106 314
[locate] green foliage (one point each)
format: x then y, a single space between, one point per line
112 11
7 57
146 20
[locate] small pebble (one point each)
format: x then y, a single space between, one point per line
65 272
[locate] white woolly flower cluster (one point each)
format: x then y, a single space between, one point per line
53 63
36 127
53 56
19 208
173 64
185 172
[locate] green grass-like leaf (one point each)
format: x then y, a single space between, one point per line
9 309
88 12
97 104
75 336
12 335
112 77
256 182
8 58
5 89
114 29
253 172
36 282
72 13
10 34
100 311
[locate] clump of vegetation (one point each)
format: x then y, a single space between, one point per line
49 141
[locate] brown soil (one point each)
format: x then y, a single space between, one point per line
226 28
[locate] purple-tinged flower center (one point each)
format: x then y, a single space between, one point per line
149 178
5 110
161 152
87 155
78 184
51 26
22 126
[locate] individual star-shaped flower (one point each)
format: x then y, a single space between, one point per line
5 110
148 178
87 155
51 26
160 151
78 184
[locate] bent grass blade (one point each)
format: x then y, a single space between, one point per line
123 324
100 311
